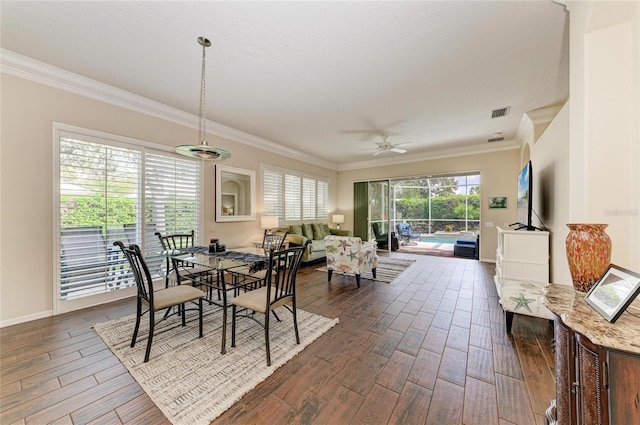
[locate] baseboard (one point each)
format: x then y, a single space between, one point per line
488 260
27 318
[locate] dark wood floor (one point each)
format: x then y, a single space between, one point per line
428 349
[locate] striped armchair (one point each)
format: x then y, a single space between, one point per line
349 255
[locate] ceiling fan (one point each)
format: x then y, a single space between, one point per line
385 146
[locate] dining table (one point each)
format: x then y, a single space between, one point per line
227 271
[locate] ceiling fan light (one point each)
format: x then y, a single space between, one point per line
398 150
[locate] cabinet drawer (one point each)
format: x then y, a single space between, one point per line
524 271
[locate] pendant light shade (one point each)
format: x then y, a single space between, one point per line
203 150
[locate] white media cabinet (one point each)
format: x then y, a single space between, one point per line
522 273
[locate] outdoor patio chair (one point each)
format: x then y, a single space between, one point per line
279 291
405 234
381 238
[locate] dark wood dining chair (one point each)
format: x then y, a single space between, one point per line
279 291
154 301
249 280
176 242
273 241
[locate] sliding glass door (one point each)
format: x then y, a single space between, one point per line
371 211
379 213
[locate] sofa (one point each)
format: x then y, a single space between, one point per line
298 234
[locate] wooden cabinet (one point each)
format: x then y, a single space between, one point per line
565 373
522 255
596 383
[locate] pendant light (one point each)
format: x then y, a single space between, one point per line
203 150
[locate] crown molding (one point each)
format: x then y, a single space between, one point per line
544 115
17 65
440 154
526 132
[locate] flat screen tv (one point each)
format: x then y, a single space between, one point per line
525 203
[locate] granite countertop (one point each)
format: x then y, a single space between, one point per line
570 306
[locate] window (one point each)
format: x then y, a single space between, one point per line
294 196
438 204
114 190
172 201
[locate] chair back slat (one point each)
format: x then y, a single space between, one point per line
140 271
282 272
273 241
177 241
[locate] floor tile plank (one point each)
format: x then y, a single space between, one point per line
429 348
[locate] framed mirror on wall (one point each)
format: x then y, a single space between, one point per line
235 194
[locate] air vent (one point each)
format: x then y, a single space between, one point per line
502 112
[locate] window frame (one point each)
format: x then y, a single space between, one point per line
300 176
94 136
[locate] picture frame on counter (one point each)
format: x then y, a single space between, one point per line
613 292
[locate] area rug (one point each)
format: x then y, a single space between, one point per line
388 269
187 377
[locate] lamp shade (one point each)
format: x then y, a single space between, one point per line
337 218
269 222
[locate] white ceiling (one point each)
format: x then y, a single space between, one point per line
323 79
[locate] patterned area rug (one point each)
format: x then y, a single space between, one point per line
388 269
187 377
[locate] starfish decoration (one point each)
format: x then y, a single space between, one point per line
521 301
352 255
344 244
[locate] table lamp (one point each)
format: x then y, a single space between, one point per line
338 219
269 222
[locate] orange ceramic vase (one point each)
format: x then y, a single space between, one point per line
589 254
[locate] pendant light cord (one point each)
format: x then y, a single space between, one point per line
203 98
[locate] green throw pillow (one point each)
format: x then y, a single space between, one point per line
327 230
318 231
307 231
295 229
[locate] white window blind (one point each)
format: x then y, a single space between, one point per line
172 202
99 202
322 199
294 196
272 190
111 192
308 198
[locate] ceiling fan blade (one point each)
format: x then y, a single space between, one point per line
378 152
397 145
396 150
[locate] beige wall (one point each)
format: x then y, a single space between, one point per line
498 173
550 163
592 178
586 163
604 142
26 173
